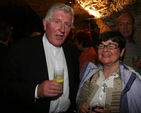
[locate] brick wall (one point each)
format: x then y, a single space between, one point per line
41 7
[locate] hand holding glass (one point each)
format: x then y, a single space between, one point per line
96 105
135 61
59 76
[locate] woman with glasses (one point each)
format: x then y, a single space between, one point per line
112 83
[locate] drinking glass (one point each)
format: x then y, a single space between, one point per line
135 61
59 76
96 104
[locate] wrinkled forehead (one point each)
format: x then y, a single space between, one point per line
125 18
64 11
57 13
108 41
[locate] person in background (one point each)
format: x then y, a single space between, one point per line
112 83
35 34
70 37
84 43
5 35
27 83
125 25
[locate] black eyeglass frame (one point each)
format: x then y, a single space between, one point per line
109 46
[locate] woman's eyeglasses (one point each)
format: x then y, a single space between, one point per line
109 46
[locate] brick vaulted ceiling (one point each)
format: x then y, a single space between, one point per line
19 12
40 7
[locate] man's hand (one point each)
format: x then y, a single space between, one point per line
84 108
49 88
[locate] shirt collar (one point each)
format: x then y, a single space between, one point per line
132 41
115 74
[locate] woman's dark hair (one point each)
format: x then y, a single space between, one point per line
84 37
115 36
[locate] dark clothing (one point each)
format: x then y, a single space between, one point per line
3 54
26 67
132 41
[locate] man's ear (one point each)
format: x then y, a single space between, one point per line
116 27
44 23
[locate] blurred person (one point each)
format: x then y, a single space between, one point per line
36 33
112 83
27 83
71 34
5 36
84 43
126 25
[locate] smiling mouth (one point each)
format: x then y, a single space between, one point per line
126 32
106 56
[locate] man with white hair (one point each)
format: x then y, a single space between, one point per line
28 79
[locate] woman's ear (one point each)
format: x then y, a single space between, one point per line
122 52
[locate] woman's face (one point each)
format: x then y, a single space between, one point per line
107 55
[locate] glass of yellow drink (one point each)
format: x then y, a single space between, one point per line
59 76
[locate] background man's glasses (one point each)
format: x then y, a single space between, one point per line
125 23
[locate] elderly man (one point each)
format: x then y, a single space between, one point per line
125 25
27 83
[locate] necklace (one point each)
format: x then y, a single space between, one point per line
104 87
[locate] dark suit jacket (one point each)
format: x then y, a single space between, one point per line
26 67
3 54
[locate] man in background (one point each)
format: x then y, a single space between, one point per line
5 35
125 25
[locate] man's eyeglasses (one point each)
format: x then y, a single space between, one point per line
125 23
109 46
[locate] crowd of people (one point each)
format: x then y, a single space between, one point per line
102 72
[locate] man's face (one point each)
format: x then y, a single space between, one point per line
58 28
125 25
